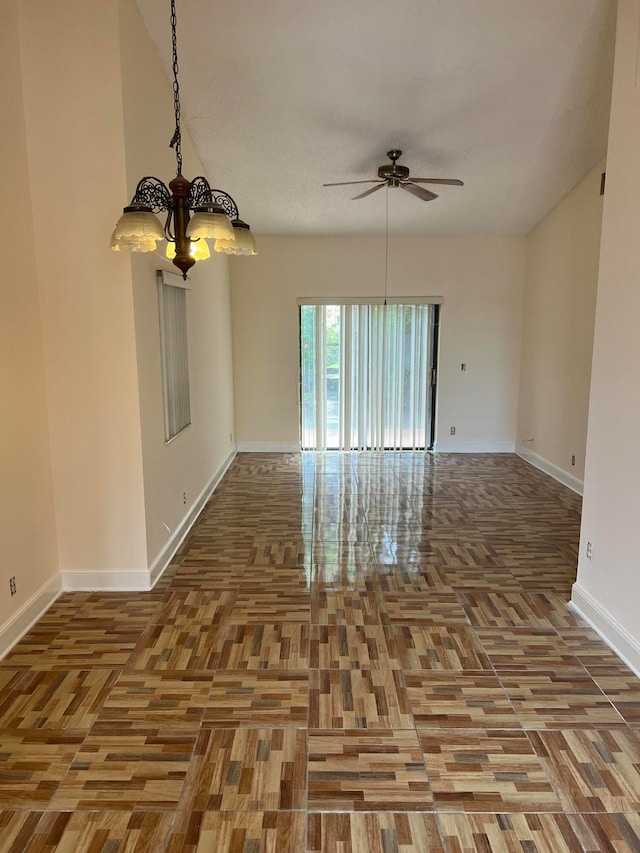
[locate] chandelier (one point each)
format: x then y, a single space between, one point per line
195 212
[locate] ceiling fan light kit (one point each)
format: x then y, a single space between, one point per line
395 175
195 212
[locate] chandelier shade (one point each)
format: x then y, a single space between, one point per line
194 212
210 223
137 230
243 244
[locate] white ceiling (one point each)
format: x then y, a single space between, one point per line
281 96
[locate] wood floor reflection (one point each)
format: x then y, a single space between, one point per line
364 652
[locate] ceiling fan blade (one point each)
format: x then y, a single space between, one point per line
345 183
419 192
449 182
368 192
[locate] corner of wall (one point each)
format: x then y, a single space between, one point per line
12 631
554 471
624 644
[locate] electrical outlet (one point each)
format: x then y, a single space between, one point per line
589 550
463 366
573 459
453 430
12 585
184 498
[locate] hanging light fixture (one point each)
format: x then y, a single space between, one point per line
195 212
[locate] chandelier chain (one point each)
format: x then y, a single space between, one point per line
176 139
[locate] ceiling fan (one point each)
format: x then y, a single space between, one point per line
395 175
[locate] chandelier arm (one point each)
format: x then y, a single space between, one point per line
226 202
151 192
168 233
199 193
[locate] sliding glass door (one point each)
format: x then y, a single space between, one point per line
367 376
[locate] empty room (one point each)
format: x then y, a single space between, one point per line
319 435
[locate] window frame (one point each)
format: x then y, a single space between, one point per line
174 356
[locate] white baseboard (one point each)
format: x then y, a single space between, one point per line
105 580
268 447
549 468
612 632
17 626
442 447
142 580
474 447
166 555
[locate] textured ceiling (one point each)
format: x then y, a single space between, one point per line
281 96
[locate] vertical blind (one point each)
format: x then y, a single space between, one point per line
366 373
175 357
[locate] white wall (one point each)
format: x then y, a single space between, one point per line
27 518
608 585
480 279
75 150
194 458
559 313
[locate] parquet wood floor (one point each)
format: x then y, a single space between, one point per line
361 652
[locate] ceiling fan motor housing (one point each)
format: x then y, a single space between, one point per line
393 172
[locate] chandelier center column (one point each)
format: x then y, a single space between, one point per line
179 187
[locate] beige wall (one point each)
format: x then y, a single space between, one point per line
27 526
608 585
559 311
480 279
188 464
76 164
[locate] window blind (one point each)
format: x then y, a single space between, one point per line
174 353
366 375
